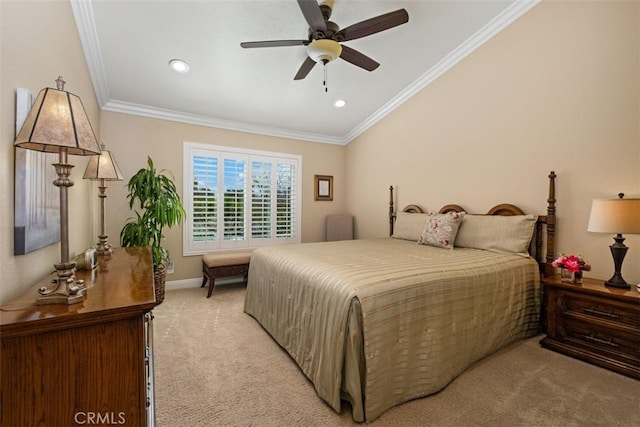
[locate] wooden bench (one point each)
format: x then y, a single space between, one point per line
217 265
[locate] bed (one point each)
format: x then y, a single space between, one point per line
377 322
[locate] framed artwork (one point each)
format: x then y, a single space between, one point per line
37 201
323 185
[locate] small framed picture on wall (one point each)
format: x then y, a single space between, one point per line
323 187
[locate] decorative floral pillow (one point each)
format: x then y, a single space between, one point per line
440 229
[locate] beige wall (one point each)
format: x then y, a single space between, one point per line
33 59
39 41
557 90
132 138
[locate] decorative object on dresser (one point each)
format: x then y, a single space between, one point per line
595 323
86 260
104 346
103 167
571 267
616 216
155 193
58 123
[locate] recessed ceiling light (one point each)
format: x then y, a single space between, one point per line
340 103
179 66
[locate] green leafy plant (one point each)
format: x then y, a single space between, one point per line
155 194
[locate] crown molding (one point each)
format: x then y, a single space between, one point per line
83 14
195 119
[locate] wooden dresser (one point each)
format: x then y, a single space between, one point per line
595 323
87 363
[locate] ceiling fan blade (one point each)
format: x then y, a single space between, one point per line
306 66
374 25
312 13
359 59
274 43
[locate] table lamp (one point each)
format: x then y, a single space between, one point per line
616 216
103 167
57 122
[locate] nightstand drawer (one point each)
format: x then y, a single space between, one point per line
617 344
594 323
610 310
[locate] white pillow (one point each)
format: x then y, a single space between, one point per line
498 233
408 226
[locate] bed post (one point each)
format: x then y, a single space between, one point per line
391 210
551 225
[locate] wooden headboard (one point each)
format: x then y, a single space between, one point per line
545 229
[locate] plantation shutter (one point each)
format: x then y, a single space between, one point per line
286 197
234 174
239 198
261 195
205 196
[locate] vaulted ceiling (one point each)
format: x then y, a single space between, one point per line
128 45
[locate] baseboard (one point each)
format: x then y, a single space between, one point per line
172 285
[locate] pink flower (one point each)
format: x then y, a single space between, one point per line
572 263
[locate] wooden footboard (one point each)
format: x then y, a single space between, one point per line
545 229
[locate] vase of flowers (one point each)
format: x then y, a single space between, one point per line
571 267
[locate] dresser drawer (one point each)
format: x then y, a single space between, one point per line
587 306
617 344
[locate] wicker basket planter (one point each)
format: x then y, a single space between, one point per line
159 282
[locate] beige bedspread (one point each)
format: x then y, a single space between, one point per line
383 321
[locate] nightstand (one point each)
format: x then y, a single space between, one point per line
595 323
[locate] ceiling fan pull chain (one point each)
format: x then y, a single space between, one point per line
324 82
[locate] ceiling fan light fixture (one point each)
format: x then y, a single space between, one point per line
179 66
324 50
324 37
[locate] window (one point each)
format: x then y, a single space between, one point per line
238 198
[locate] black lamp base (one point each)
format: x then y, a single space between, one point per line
618 251
617 282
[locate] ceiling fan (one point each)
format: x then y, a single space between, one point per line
325 37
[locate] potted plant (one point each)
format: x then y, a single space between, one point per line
155 194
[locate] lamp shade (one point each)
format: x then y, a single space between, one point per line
621 216
103 166
58 120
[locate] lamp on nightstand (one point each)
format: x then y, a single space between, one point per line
103 167
616 216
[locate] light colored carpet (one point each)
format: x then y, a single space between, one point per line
215 366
